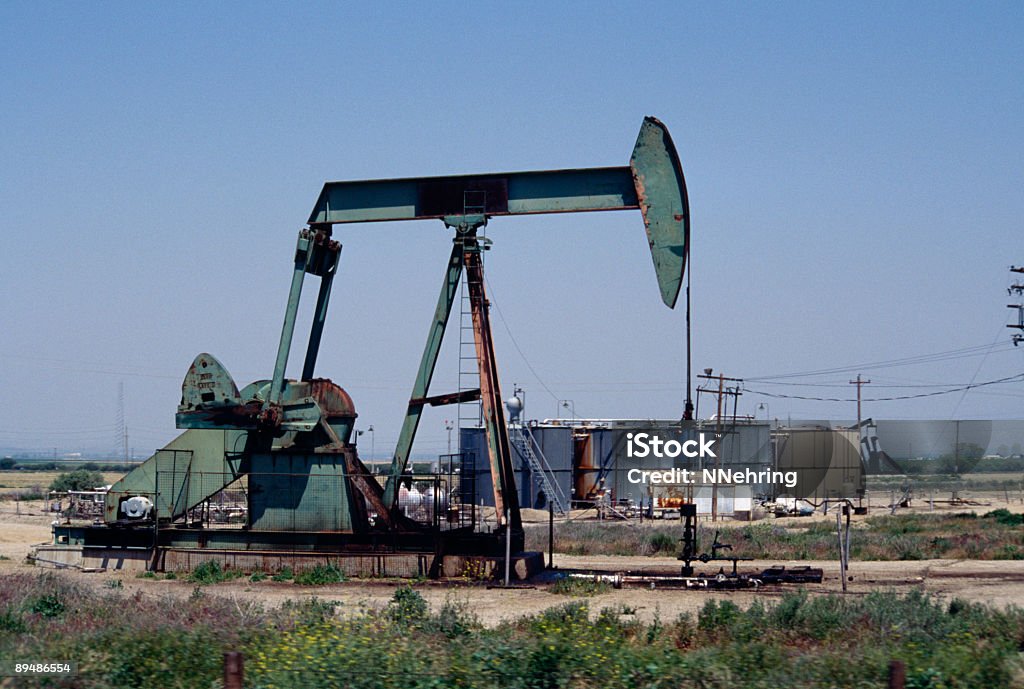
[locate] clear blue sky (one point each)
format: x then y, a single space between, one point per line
855 175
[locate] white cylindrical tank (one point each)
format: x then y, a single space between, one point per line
138 507
409 499
428 497
429 502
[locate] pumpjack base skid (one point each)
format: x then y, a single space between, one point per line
181 549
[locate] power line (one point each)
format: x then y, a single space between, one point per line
1009 379
965 352
512 337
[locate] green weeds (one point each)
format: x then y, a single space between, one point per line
320 575
211 572
577 586
995 536
799 640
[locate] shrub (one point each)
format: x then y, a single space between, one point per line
320 575
718 617
285 574
1004 516
80 479
49 605
211 572
454 619
407 607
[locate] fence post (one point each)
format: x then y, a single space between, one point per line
233 670
551 534
897 674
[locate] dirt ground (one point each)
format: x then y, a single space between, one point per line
999 583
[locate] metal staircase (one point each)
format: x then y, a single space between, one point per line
524 443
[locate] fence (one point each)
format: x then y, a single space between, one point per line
325 497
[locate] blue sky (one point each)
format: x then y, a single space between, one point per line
855 176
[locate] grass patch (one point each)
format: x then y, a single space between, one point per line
1005 517
285 574
211 572
995 536
320 575
663 543
310 611
577 586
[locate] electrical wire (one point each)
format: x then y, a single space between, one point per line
971 386
962 353
512 337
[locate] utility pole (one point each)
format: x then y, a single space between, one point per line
859 383
719 431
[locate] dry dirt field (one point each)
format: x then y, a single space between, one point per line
998 583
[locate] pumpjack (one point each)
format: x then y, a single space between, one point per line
290 439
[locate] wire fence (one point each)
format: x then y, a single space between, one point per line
307 494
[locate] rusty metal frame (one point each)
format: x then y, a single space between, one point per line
506 498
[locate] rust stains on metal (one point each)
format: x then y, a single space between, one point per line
449 398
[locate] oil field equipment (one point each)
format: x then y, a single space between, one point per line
287 443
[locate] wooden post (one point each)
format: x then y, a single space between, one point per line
842 550
551 534
718 456
897 674
232 670
508 547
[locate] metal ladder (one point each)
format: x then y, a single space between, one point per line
524 442
470 414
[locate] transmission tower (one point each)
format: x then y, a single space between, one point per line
121 445
1017 289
